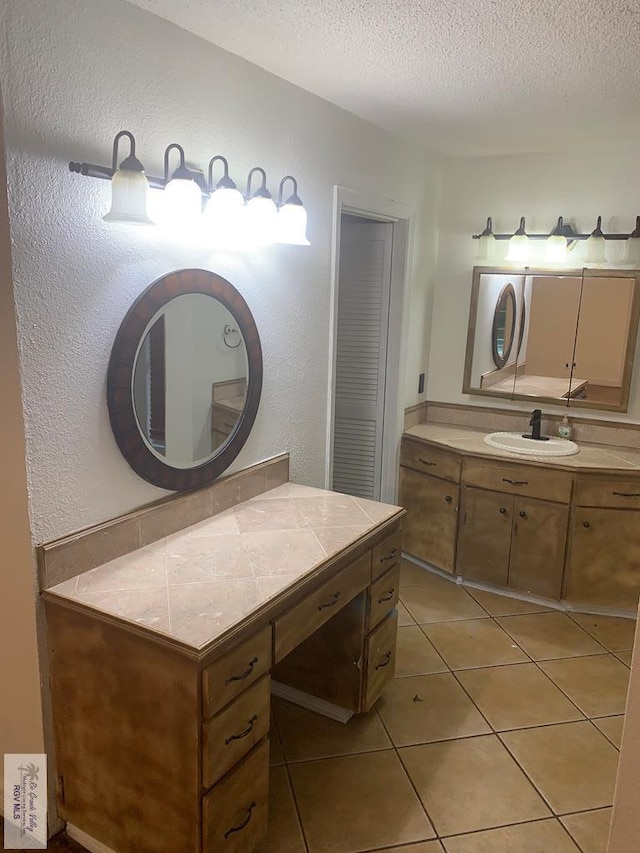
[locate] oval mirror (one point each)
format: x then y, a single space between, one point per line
504 326
185 378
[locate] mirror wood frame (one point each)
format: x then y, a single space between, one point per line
507 294
122 363
584 273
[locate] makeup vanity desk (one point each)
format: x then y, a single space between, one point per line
161 663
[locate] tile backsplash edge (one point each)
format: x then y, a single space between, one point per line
79 552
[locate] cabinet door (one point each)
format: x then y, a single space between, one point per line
429 528
604 562
485 535
537 547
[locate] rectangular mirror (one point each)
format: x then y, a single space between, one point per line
567 338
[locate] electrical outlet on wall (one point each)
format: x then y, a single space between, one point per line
421 383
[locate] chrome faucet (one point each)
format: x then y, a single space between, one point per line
534 423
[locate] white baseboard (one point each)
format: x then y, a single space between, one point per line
87 841
312 703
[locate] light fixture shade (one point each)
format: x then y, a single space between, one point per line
182 202
223 218
260 220
129 190
486 247
595 250
519 248
556 249
292 225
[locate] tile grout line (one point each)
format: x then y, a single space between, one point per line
285 764
406 773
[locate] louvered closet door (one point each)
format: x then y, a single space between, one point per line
361 356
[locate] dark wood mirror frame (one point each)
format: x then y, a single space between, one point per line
122 364
507 295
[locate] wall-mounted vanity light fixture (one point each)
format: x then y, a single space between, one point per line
254 219
558 242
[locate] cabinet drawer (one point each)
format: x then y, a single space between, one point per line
233 673
230 735
609 493
423 457
318 607
222 420
519 480
385 555
380 659
235 812
383 596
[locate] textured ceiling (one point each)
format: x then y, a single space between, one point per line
492 76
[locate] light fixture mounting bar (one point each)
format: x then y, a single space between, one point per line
90 170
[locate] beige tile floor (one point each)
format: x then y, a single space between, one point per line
499 734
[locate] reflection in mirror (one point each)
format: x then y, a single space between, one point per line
576 335
189 380
504 326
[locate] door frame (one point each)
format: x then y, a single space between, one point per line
402 216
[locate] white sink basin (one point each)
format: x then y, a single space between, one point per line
514 442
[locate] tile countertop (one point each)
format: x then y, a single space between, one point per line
590 456
196 584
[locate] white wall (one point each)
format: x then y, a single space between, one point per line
540 187
75 72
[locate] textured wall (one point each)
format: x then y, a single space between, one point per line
74 73
543 187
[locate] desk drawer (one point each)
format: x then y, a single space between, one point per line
235 812
233 673
230 735
380 659
519 480
423 457
318 607
223 421
608 493
383 596
386 554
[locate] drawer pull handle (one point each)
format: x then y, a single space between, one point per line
244 674
586 524
515 482
389 556
332 603
427 463
385 661
503 510
246 732
448 499
388 596
244 823
522 514
229 426
626 494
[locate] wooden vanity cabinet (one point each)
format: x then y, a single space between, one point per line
603 566
484 541
512 541
432 501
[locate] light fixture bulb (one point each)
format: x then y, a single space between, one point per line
223 218
519 247
260 220
182 203
129 191
292 223
556 249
